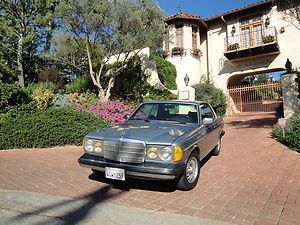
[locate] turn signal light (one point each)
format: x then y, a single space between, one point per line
177 153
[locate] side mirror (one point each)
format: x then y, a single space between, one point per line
126 117
207 121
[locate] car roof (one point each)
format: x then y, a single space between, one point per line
176 101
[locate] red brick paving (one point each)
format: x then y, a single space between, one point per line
255 180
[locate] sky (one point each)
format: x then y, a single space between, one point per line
202 8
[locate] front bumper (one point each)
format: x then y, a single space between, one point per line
146 170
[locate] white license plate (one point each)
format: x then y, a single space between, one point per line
114 173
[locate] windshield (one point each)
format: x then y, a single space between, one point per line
179 112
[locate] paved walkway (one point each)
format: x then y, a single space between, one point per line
255 180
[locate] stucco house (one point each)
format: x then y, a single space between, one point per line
255 39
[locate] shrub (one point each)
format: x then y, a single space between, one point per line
268 39
42 94
156 94
81 84
110 111
131 82
81 102
291 138
166 71
11 95
28 108
213 95
232 47
52 127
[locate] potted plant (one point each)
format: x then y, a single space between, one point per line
196 52
165 53
268 39
177 51
232 47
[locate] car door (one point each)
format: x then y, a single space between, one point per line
210 139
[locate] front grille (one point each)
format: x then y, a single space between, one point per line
124 151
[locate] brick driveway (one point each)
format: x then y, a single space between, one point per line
255 180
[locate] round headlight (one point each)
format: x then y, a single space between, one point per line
89 146
152 153
166 154
98 147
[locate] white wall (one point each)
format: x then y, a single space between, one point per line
187 63
220 68
289 44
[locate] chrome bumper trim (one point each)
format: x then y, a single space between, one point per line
135 174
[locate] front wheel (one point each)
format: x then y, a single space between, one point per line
191 173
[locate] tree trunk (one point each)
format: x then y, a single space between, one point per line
20 61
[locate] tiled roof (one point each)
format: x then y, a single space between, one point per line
265 2
183 16
186 16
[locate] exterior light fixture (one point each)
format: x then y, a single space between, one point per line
186 80
267 22
233 30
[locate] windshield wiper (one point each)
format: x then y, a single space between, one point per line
145 119
170 119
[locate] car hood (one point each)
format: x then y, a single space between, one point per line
153 132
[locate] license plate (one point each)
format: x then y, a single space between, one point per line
114 173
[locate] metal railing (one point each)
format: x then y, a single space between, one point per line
256 98
251 39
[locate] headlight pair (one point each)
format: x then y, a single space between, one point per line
93 146
169 153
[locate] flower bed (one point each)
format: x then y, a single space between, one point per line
111 111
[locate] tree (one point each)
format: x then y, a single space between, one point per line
291 9
26 28
261 78
111 29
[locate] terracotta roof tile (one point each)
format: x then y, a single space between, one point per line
183 16
186 16
239 9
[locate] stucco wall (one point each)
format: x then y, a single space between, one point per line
220 68
186 63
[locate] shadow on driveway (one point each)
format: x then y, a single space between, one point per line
71 215
149 185
262 122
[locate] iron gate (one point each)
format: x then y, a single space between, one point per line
256 98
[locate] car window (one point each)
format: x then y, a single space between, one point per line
206 111
180 112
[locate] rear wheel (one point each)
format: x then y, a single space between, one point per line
217 149
191 173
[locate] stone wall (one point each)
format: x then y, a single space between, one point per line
291 102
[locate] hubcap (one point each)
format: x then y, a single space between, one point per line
192 170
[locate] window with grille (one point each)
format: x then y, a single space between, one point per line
194 37
179 36
251 31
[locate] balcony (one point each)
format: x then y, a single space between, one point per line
252 44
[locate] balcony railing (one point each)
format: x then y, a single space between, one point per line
251 39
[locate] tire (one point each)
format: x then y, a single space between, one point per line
190 176
216 151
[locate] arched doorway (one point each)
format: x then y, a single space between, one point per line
259 92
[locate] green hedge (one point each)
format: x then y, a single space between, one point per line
52 127
213 95
291 138
156 94
166 71
11 95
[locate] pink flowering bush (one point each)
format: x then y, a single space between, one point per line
110 111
